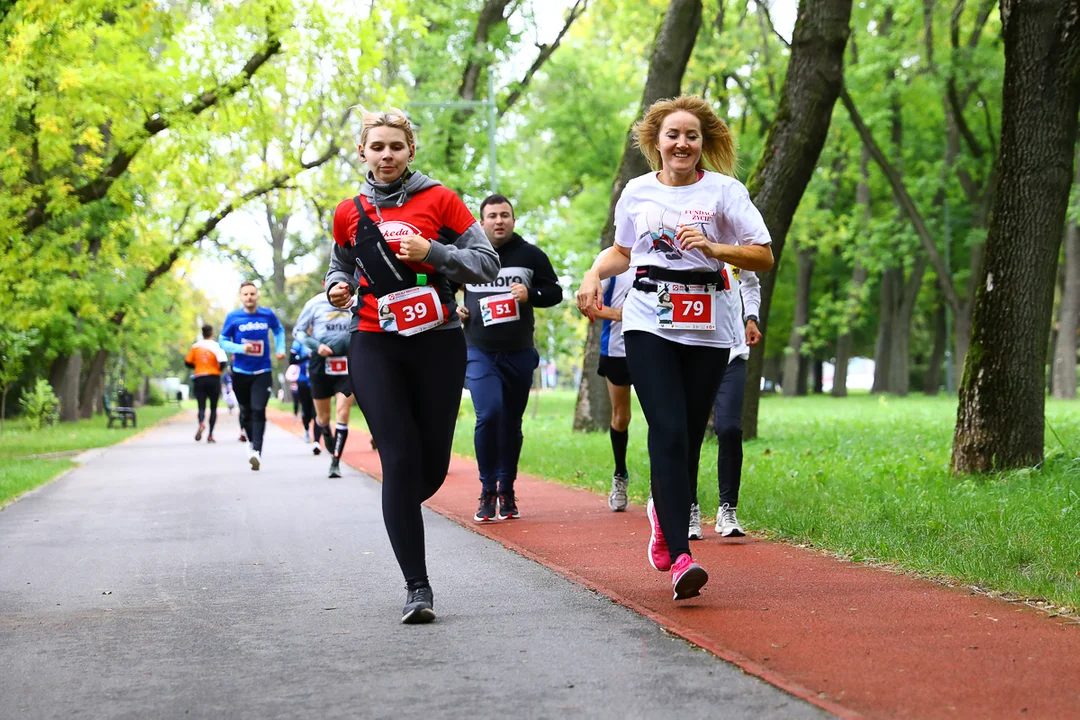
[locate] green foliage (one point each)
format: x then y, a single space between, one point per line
40 405
156 397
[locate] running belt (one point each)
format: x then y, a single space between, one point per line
385 273
716 278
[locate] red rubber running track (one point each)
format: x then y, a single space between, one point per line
854 640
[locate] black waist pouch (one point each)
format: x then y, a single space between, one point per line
384 272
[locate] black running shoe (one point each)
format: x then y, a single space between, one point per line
419 606
335 468
508 509
486 512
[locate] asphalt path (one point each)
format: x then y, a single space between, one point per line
166 579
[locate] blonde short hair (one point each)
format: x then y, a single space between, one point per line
718 144
391 117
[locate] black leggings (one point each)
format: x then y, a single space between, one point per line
307 405
409 389
252 394
208 387
676 385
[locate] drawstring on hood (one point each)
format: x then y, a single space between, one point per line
396 193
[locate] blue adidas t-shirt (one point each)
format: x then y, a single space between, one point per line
243 327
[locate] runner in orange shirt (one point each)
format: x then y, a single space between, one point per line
208 360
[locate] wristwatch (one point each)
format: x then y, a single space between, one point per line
752 317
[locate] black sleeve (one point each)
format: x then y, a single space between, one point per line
546 291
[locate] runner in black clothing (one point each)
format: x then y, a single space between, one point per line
208 360
399 245
498 318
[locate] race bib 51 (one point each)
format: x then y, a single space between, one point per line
411 311
495 309
685 307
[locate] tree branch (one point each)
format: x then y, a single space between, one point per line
211 223
904 200
155 124
492 13
546 52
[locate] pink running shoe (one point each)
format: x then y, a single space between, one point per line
659 557
687 577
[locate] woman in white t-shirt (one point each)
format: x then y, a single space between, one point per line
677 228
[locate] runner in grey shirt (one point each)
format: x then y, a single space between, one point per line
325 329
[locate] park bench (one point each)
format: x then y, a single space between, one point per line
123 412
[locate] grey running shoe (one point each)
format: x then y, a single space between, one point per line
419 606
307 436
335 468
617 499
694 532
727 525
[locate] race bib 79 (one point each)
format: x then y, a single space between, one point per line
685 307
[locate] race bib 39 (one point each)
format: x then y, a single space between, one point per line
411 311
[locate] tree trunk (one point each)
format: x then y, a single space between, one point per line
671 53
891 279
94 386
858 279
818 366
1064 372
899 366
3 409
794 382
814 78
279 231
1001 415
64 378
933 371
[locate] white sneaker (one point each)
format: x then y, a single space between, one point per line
255 458
307 436
727 525
694 532
616 501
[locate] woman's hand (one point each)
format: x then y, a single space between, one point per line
413 248
590 298
692 238
340 295
325 350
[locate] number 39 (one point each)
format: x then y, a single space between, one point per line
415 312
693 307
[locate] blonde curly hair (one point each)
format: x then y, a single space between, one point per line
391 117
717 142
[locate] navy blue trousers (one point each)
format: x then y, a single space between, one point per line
499 383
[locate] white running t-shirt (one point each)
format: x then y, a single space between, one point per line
646 219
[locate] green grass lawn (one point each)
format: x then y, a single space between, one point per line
864 477
19 474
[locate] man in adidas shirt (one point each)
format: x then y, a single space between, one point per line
498 321
246 334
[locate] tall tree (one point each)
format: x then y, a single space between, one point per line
814 78
1000 419
671 52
